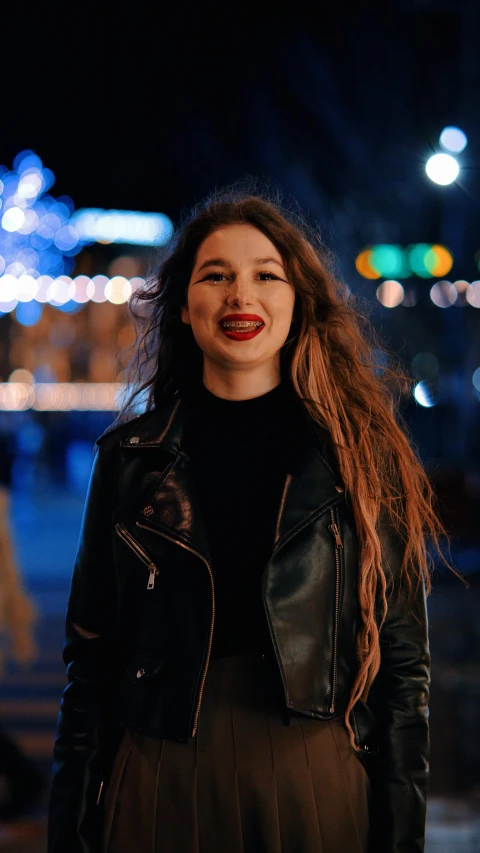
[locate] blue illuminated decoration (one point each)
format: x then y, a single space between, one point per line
37 236
95 225
28 313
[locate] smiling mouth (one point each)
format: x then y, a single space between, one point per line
241 325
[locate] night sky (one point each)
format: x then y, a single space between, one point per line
151 110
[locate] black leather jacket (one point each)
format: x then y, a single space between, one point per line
140 619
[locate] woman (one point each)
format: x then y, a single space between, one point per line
246 634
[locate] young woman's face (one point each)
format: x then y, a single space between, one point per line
238 270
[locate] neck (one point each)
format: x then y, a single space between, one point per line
240 384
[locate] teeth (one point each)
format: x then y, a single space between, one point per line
241 324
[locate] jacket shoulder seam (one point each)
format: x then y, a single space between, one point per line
126 426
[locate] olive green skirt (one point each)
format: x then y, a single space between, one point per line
247 783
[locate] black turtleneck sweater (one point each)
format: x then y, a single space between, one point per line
239 451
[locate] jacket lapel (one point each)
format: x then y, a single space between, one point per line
172 507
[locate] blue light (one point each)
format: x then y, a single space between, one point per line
67 201
26 159
424 395
28 313
70 307
42 238
61 210
122 226
48 177
66 238
68 265
29 258
36 232
453 139
50 263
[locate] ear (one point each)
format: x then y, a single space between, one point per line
185 314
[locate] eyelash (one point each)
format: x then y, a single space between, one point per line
212 274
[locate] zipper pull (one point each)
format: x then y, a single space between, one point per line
151 579
336 533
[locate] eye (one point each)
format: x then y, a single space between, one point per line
268 275
213 276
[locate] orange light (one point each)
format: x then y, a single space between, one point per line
440 260
364 266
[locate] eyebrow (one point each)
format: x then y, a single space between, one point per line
220 262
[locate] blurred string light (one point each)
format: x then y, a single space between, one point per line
386 260
64 292
36 234
472 294
95 225
442 169
390 293
443 294
453 139
17 396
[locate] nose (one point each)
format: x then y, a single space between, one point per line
240 292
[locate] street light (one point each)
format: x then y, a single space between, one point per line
442 169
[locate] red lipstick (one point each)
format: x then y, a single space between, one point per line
234 333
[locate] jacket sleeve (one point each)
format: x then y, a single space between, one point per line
399 700
85 723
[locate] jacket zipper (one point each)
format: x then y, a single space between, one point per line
333 528
100 792
139 552
210 638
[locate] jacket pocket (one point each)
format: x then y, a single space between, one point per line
143 666
139 552
365 726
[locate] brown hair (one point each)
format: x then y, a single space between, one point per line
331 358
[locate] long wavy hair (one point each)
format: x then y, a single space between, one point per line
332 359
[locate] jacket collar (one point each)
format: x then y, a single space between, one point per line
311 485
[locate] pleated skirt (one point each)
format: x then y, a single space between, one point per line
247 783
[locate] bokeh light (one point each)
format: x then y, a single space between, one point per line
28 313
390 293
13 219
438 260
60 396
95 225
21 375
364 267
453 139
421 259
59 291
425 365
443 294
118 290
388 260
424 394
442 169
392 261
472 294
476 379
35 228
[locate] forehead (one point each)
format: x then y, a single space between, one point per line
237 243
